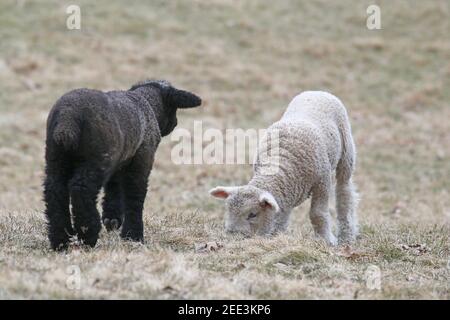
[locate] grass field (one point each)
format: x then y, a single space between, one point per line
246 59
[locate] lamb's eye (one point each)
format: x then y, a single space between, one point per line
251 215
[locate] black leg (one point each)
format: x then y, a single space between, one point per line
84 188
113 210
135 179
56 197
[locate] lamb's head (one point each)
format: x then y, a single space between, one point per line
249 210
172 99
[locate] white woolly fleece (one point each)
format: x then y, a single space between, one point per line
314 141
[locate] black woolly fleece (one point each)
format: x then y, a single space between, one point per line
108 139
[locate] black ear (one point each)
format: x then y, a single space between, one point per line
183 99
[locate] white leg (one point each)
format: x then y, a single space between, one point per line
346 202
320 214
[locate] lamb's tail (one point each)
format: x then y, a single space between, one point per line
66 132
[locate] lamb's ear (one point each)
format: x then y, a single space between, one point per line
222 192
183 99
267 201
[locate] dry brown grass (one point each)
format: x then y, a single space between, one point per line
246 59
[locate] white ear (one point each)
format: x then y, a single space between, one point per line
267 201
222 192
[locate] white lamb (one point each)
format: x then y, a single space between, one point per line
315 140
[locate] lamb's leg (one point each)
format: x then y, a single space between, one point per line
112 215
346 196
135 179
346 202
56 197
320 214
84 188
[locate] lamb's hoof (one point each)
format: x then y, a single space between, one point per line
346 240
91 242
59 246
88 234
330 239
88 240
133 235
333 242
111 224
59 241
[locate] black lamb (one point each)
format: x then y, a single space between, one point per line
101 139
